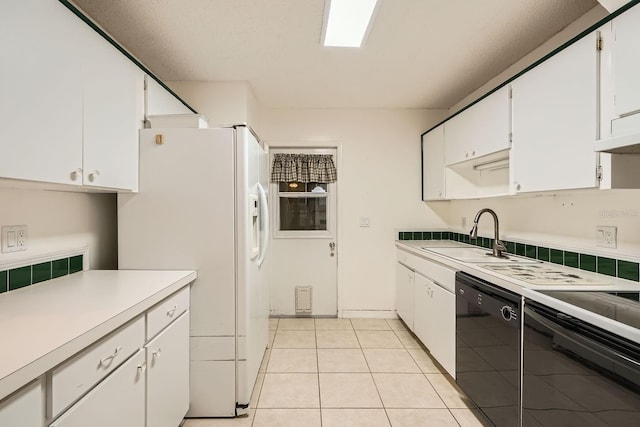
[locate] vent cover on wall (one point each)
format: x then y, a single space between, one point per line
303 300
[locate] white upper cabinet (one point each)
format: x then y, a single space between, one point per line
482 129
113 113
40 93
433 164
620 86
626 62
555 121
71 103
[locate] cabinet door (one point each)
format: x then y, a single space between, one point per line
113 112
481 129
433 164
555 122
626 62
116 401
422 317
442 327
25 408
40 97
404 294
168 375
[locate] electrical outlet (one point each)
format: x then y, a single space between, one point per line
606 236
14 238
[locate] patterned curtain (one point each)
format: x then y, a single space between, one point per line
303 168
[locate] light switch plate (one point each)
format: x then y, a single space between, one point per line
14 238
606 236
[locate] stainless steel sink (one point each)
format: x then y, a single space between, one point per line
478 255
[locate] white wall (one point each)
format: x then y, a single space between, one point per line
62 221
221 103
380 180
564 219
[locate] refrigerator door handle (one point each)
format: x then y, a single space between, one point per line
264 214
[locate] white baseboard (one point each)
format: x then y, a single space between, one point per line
370 314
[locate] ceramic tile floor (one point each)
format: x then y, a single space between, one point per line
349 373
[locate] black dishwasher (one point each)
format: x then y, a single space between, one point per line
576 374
488 362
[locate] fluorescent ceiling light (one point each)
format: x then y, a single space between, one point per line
347 22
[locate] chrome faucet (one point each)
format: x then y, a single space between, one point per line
498 246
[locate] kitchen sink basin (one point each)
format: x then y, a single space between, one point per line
478 255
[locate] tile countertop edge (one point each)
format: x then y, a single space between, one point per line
165 283
529 291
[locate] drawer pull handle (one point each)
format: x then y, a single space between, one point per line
142 367
107 360
156 354
172 311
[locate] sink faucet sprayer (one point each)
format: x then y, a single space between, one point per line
498 246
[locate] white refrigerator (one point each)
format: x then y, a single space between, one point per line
202 205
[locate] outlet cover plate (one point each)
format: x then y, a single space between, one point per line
606 236
14 238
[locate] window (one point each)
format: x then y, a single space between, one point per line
302 206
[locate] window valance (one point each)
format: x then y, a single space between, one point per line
303 168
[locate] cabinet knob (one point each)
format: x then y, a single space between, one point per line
94 175
466 155
473 153
75 174
172 310
142 367
518 186
156 354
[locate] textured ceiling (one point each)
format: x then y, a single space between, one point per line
419 53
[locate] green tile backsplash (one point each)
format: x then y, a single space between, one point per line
3 281
59 267
19 277
610 266
41 272
587 262
571 259
28 275
75 264
628 270
606 266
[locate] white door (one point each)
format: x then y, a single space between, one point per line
305 249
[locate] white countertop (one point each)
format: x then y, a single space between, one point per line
610 284
44 324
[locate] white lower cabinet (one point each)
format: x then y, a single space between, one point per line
435 321
168 375
25 408
404 294
116 401
426 297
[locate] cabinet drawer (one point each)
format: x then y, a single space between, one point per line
116 401
79 374
444 277
166 312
